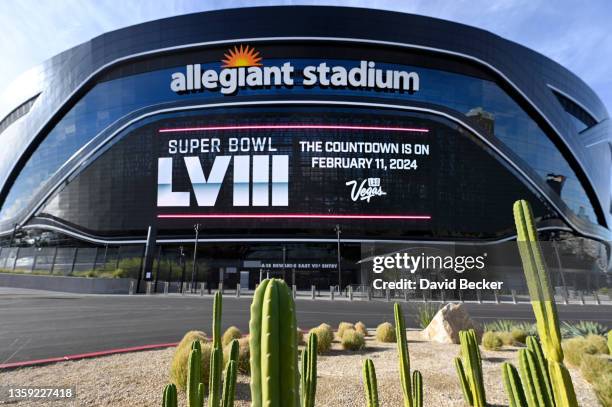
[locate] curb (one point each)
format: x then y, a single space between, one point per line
89 355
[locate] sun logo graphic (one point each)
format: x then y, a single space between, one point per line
242 56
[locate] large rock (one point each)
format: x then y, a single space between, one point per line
446 324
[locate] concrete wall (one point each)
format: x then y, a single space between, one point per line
67 284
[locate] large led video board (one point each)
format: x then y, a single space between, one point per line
307 169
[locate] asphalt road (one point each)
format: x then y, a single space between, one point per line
37 325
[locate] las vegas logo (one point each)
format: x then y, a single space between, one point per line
366 190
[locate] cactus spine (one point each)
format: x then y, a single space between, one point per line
369 383
542 301
273 346
216 357
417 389
469 370
309 372
513 386
404 361
194 375
170 399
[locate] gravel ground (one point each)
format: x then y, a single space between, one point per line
137 379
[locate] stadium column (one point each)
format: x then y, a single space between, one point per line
147 266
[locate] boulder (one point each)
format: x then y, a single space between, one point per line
446 324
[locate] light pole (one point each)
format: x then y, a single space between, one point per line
195 255
182 264
284 262
338 231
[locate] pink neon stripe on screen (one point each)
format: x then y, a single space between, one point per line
293 126
289 216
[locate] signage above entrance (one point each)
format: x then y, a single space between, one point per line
242 69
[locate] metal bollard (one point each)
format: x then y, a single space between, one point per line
369 293
166 287
312 292
148 288
496 297
565 298
479 296
332 290
596 297
131 289
442 296
237 290
582 297
461 296
202 288
514 296
350 292
294 289
221 288
405 295
183 287
388 295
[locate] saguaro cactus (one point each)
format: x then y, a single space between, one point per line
309 372
369 383
408 389
194 375
542 301
216 356
469 370
273 346
512 383
170 398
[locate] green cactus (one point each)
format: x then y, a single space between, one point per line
544 308
533 381
469 370
369 383
194 374
514 388
229 384
214 380
534 345
309 372
404 358
216 357
234 351
273 346
170 398
417 389
610 342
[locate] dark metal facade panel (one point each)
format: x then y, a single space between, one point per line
529 71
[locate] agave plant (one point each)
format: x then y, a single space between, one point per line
507 325
582 328
425 313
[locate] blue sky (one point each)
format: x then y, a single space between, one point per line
573 32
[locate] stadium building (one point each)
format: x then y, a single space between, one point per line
296 141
